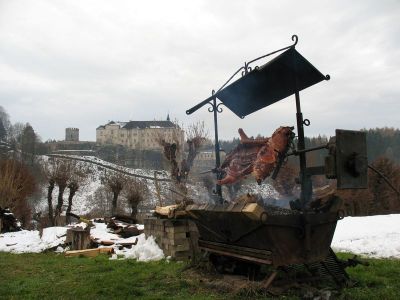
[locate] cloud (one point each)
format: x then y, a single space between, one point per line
82 63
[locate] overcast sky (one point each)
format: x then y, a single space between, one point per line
83 63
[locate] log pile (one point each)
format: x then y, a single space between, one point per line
123 228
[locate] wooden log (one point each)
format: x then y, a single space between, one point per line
126 219
165 210
128 243
170 211
107 243
90 252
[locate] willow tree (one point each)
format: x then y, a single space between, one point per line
114 181
78 178
135 192
180 169
58 172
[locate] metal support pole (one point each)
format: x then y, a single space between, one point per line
305 179
218 190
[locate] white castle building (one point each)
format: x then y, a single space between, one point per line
140 135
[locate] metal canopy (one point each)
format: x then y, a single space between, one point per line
270 83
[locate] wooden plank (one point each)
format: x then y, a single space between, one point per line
89 252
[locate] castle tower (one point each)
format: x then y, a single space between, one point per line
72 134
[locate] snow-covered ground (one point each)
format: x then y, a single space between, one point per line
27 241
374 236
30 241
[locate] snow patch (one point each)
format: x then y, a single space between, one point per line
373 236
146 249
26 241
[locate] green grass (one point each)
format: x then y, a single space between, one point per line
380 280
46 276
52 276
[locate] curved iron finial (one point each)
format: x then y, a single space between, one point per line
246 68
295 39
327 77
219 107
213 106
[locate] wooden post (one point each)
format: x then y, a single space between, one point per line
79 238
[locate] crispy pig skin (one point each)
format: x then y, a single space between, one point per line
254 156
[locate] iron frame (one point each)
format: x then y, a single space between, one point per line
215 108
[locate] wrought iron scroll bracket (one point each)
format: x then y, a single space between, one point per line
213 104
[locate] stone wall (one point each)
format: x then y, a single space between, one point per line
178 238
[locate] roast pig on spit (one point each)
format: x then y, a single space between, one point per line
256 156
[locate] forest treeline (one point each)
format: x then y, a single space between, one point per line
380 142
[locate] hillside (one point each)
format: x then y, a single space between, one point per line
86 196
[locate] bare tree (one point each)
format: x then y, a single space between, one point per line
135 192
100 202
3 132
196 136
57 172
384 197
115 182
78 178
15 132
5 122
50 171
28 144
50 189
62 178
16 185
